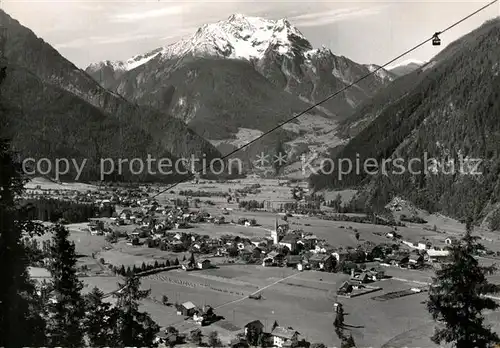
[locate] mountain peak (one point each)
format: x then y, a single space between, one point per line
410 61
241 37
236 17
237 37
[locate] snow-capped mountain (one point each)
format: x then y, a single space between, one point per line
244 74
405 67
258 40
240 37
112 70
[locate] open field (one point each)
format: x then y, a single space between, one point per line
85 245
46 184
301 300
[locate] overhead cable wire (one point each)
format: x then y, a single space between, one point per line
372 72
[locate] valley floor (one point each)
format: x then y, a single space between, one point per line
302 300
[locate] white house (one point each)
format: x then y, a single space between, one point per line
204 264
438 254
424 245
282 336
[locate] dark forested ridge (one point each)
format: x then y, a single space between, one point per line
45 121
213 96
129 127
447 109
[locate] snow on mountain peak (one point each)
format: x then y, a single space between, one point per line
115 65
237 37
121 66
241 37
406 62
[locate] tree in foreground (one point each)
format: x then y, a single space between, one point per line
252 336
164 300
214 340
134 328
68 312
21 321
100 320
196 336
456 297
348 342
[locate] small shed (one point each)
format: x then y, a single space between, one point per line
187 309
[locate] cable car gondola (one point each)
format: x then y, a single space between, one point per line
436 41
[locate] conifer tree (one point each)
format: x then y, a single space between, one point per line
21 321
456 297
100 320
214 340
348 342
196 336
67 313
133 328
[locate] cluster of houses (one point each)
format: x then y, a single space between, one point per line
133 197
204 315
283 248
423 250
279 336
305 251
253 332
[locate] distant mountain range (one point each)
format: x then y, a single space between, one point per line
242 76
405 67
447 109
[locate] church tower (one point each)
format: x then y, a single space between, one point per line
274 234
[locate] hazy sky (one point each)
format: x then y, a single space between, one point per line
366 32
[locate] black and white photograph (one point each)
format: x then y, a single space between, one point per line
243 174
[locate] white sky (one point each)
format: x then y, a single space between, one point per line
366 32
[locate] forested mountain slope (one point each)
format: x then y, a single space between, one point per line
24 50
448 110
45 121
